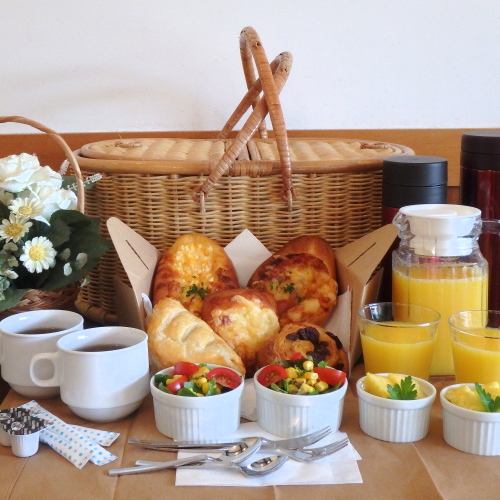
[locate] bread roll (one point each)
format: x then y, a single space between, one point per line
307 339
175 334
190 269
300 283
313 245
244 318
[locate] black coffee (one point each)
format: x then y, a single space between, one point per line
101 347
37 330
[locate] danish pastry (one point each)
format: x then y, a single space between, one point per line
308 340
244 318
193 267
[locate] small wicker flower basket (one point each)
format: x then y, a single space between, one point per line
276 187
61 298
65 297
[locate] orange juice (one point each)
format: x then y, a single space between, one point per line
448 291
477 356
397 347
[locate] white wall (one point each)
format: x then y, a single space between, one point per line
147 65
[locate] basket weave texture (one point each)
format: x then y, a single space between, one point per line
276 187
34 300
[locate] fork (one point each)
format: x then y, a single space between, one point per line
308 455
282 444
298 454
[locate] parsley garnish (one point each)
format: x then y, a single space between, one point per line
196 290
404 390
491 405
280 286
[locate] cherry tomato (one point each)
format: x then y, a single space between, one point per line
296 356
329 375
177 384
185 368
225 377
271 374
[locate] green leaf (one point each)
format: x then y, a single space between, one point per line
81 241
490 404
12 297
77 220
58 232
404 390
4 212
69 180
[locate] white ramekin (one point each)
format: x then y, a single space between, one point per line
471 431
201 419
397 421
290 415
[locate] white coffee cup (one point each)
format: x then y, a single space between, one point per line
99 385
19 342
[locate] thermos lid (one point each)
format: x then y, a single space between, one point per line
440 229
415 170
482 141
411 180
481 150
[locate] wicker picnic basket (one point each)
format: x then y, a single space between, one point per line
275 186
61 298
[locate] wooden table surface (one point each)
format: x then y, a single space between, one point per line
428 469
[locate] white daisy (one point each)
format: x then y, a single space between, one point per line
52 199
24 207
38 254
14 228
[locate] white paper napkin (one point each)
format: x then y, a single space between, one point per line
339 468
75 443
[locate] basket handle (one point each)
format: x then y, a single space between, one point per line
271 84
250 78
67 150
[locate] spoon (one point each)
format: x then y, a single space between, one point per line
230 450
172 464
258 468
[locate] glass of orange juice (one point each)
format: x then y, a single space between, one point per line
475 344
398 338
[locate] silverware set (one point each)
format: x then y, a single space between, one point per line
235 454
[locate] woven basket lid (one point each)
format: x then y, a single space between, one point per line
198 156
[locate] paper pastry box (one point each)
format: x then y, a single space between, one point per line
358 267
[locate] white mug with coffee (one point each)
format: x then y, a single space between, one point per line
25 334
103 372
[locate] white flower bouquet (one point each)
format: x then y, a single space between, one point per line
45 242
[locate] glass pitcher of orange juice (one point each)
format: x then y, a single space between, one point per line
438 264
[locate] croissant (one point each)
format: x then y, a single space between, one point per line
175 334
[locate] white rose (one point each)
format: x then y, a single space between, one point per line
52 199
45 176
16 171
